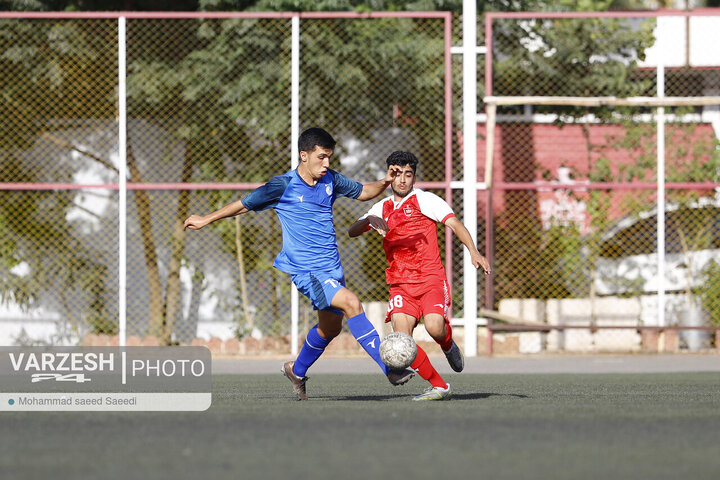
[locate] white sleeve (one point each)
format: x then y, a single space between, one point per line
375 210
434 207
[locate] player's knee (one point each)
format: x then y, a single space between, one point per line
331 331
403 323
351 305
435 326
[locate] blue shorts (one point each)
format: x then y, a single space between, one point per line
320 287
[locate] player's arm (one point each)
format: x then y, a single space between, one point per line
367 223
265 196
372 190
464 236
196 222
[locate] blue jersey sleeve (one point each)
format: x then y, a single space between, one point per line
344 187
266 196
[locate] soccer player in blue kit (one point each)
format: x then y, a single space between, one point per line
303 200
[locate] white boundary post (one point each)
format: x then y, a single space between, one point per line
470 275
122 183
661 196
294 135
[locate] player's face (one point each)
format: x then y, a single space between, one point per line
316 162
403 183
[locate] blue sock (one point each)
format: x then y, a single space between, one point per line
311 350
367 337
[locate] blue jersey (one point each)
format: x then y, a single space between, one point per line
306 216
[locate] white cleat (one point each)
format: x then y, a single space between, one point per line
435 393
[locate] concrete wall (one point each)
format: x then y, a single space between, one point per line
605 312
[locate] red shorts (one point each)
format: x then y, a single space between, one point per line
419 299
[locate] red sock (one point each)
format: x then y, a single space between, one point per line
447 343
425 369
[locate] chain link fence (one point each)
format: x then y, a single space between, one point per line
570 219
575 202
209 102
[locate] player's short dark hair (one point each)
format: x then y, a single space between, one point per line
401 159
313 137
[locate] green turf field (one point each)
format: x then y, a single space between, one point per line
561 426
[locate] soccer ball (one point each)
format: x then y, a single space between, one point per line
398 350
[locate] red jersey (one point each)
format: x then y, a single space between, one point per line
411 245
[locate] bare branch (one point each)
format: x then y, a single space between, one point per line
65 144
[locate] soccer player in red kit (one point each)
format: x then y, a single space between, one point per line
407 220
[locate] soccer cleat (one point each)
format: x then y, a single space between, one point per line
455 358
435 393
297 382
400 377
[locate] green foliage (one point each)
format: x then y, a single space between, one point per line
58 261
58 60
236 5
98 5
353 5
26 5
220 92
587 57
533 262
585 5
571 57
324 5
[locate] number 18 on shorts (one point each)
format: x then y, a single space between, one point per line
418 300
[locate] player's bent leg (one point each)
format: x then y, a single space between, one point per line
311 350
404 323
368 338
319 288
314 345
348 302
360 327
440 330
424 368
329 324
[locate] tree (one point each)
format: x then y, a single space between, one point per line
558 57
55 257
220 94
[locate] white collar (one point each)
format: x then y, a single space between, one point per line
397 205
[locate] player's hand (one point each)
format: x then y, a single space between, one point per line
480 261
194 222
378 224
392 173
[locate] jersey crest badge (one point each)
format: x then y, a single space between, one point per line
328 188
408 210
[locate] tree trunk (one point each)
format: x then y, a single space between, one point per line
155 289
172 295
249 320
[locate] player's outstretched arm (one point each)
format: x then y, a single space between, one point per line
464 236
372 190
364 224
196 222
